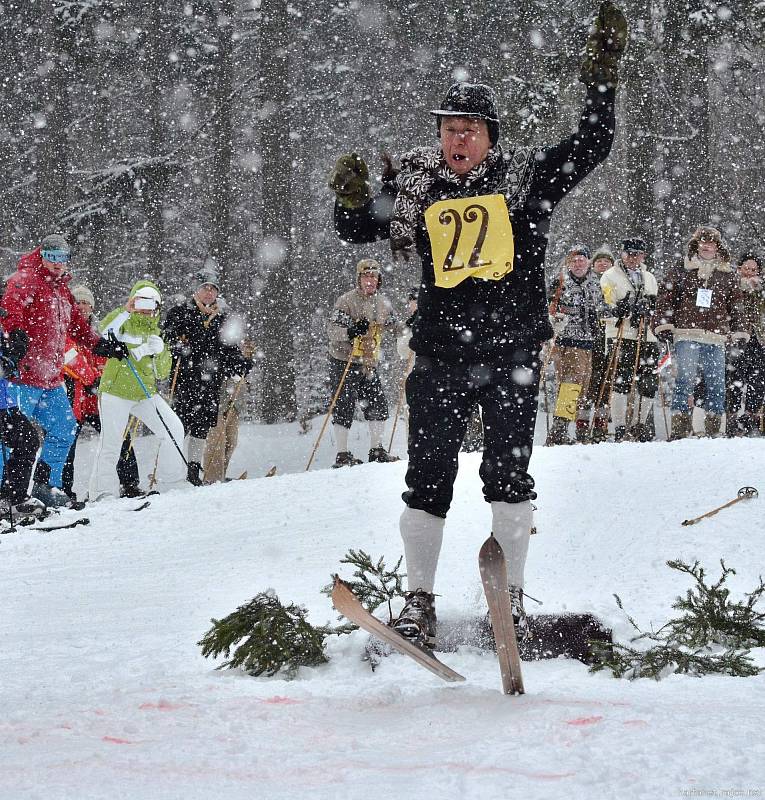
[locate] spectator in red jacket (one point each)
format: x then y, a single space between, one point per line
38 301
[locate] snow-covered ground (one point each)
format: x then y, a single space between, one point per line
105 693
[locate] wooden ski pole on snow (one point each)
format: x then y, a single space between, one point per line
331 407
745 493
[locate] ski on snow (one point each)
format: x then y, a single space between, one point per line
346 602
491 562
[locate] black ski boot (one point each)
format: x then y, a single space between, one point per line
131 490
193 474
346 459
519 614
417 620
381 455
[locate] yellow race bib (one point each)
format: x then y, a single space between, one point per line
471 237
369 346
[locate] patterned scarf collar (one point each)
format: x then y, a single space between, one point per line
420 169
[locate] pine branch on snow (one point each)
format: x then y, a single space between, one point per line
691 644
267 637
374 584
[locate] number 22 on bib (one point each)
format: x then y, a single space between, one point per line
470 237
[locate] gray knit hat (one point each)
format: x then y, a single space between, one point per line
54 241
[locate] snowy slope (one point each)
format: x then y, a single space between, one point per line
105 693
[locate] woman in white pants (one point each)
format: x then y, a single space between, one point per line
129 387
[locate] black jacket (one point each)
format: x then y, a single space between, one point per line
205 358
481 320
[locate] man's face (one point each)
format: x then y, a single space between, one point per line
600 265
464 142
56 268
707 249
368 282
633 259
578 264
207 294
749 269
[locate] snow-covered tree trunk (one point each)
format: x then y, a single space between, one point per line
277 308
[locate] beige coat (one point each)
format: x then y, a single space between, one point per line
351 307
616 286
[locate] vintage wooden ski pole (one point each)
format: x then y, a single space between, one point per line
745 493
329 410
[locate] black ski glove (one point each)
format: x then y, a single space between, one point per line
111 347
622 308
359 328
666 336
13 349
641 311
411 320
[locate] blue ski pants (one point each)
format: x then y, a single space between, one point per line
51 410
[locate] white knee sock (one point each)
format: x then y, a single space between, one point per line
375 433
422 534
619 409
195 448
645 408
341 438
511 524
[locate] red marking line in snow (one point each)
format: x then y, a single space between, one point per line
281 701
584 721
162 705
115 740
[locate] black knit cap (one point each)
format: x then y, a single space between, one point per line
471 100
634 246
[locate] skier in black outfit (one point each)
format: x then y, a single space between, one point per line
20 440
196 331
478 218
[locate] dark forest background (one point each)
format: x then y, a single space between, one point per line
161 135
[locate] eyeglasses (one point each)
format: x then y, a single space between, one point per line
56 256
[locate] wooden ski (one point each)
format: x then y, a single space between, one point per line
491 562
346 602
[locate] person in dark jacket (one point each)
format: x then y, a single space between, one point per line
205 354
478 218
18 437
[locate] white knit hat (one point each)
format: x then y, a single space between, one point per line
81 293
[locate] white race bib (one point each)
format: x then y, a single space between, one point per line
704 298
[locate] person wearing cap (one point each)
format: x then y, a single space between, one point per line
745 364
477 216
630 293
355 330
204 340
597 398
37 301
129 388
81 374
578 304
700 311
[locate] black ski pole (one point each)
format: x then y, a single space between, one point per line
5 461
148 397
